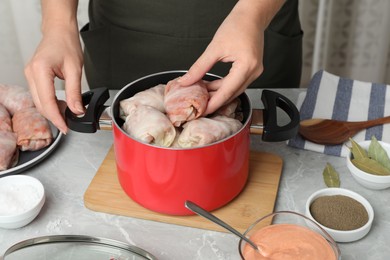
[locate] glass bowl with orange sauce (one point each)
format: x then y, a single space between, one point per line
288 235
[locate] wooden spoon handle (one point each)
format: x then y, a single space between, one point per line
369 123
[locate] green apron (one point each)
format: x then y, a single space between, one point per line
126 40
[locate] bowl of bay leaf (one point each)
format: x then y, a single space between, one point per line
369 163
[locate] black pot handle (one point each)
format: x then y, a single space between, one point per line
272 132
89 122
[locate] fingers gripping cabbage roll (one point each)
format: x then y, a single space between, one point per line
15 98
150 125
184 104
153 97
205 130
8 150
5 120
32 129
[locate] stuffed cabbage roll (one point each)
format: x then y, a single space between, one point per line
8 150
153 97
184 104
5 120
15 98
175 143
205 130
150 125
32 129
232 109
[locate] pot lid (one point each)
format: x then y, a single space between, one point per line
61 247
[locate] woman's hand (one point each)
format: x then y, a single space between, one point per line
239 40
59 54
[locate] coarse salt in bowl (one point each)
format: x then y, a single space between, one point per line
21 199
368 180
343 235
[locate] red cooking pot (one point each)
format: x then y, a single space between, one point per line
162 179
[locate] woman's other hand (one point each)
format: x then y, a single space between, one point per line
59 54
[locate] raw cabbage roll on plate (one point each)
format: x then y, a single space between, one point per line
15 98
32 129
29 133
8 150
8 147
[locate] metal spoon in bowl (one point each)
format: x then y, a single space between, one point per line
202 212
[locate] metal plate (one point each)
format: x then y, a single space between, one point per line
28 159
64 247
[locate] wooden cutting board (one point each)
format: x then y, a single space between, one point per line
105 194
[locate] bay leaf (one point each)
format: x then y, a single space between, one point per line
356 150
331 176
370 166
378 153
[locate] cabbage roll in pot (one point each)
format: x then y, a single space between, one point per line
184 104
150 125
205 130
153 97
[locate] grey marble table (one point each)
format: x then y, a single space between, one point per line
67 173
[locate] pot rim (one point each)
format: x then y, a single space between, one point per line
270 130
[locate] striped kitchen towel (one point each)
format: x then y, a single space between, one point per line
332 97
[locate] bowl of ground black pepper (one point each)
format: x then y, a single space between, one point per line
344 214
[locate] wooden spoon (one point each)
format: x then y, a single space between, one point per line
332 132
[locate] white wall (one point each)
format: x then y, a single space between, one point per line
20 34
11 68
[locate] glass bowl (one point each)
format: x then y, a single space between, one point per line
289 234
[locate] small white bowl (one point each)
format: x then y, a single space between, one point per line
21 199
371 181
341 235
